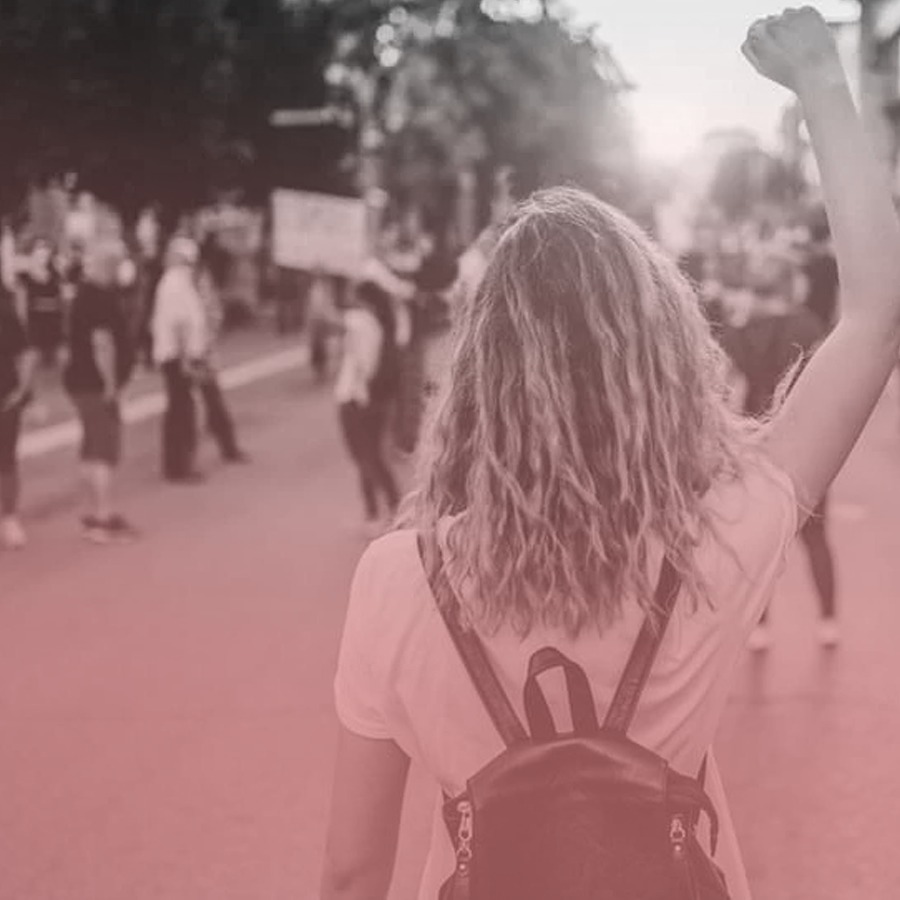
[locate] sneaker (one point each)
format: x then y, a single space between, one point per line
114 529
13 534
760 640
120 529
829 633
95 530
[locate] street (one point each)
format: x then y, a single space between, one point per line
165 707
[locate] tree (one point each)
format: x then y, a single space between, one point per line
147 99
457 89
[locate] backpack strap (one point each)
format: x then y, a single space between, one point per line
468 644
643 654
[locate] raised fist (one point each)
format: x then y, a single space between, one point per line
791 46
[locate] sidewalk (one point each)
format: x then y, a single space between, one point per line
242 357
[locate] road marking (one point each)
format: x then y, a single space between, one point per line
140 409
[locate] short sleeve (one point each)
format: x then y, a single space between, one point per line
359 691
763 534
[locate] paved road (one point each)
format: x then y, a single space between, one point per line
165 708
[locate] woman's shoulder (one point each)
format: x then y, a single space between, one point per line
754 514
392 557
761 484
389 594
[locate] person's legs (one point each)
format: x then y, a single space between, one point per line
101 451
221 425
11 531
354 430
318 343
179 431
821 563
98 478
376 420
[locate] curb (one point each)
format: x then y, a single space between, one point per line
66 434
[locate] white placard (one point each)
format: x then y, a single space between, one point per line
321 231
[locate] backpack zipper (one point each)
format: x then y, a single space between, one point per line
464 838
678 837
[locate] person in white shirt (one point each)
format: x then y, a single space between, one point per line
365 387
584 437
181 342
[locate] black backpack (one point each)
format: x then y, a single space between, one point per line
583 816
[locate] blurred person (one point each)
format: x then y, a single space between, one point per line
81 221
780 336
17 365
148 235
219 420
321 316
100 362
42 285
366 384
180 345
821 275
582 448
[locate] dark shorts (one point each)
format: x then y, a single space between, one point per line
101 428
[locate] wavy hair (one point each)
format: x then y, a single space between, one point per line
584 418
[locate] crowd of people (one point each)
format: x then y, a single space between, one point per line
82 296
94 302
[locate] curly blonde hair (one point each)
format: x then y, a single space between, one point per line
584 417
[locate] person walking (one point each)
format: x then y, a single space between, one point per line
365 388
582 453
180 345
779 338
100 362
17 365
219 420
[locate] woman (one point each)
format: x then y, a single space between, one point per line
585 434
365 388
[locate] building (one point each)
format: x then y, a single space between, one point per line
870 47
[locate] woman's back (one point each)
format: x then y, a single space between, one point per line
583 433
409 684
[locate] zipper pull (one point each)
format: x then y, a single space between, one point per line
678 837
464 838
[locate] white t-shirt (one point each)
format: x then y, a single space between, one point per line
363 341
180 321
399 675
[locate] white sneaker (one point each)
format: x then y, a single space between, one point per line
13 534
760 639
829 633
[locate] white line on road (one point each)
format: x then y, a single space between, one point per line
65 434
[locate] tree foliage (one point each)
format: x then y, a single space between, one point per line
165 99
460 89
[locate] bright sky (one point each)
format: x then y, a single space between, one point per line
684 56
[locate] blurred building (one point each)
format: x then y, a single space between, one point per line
870 47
